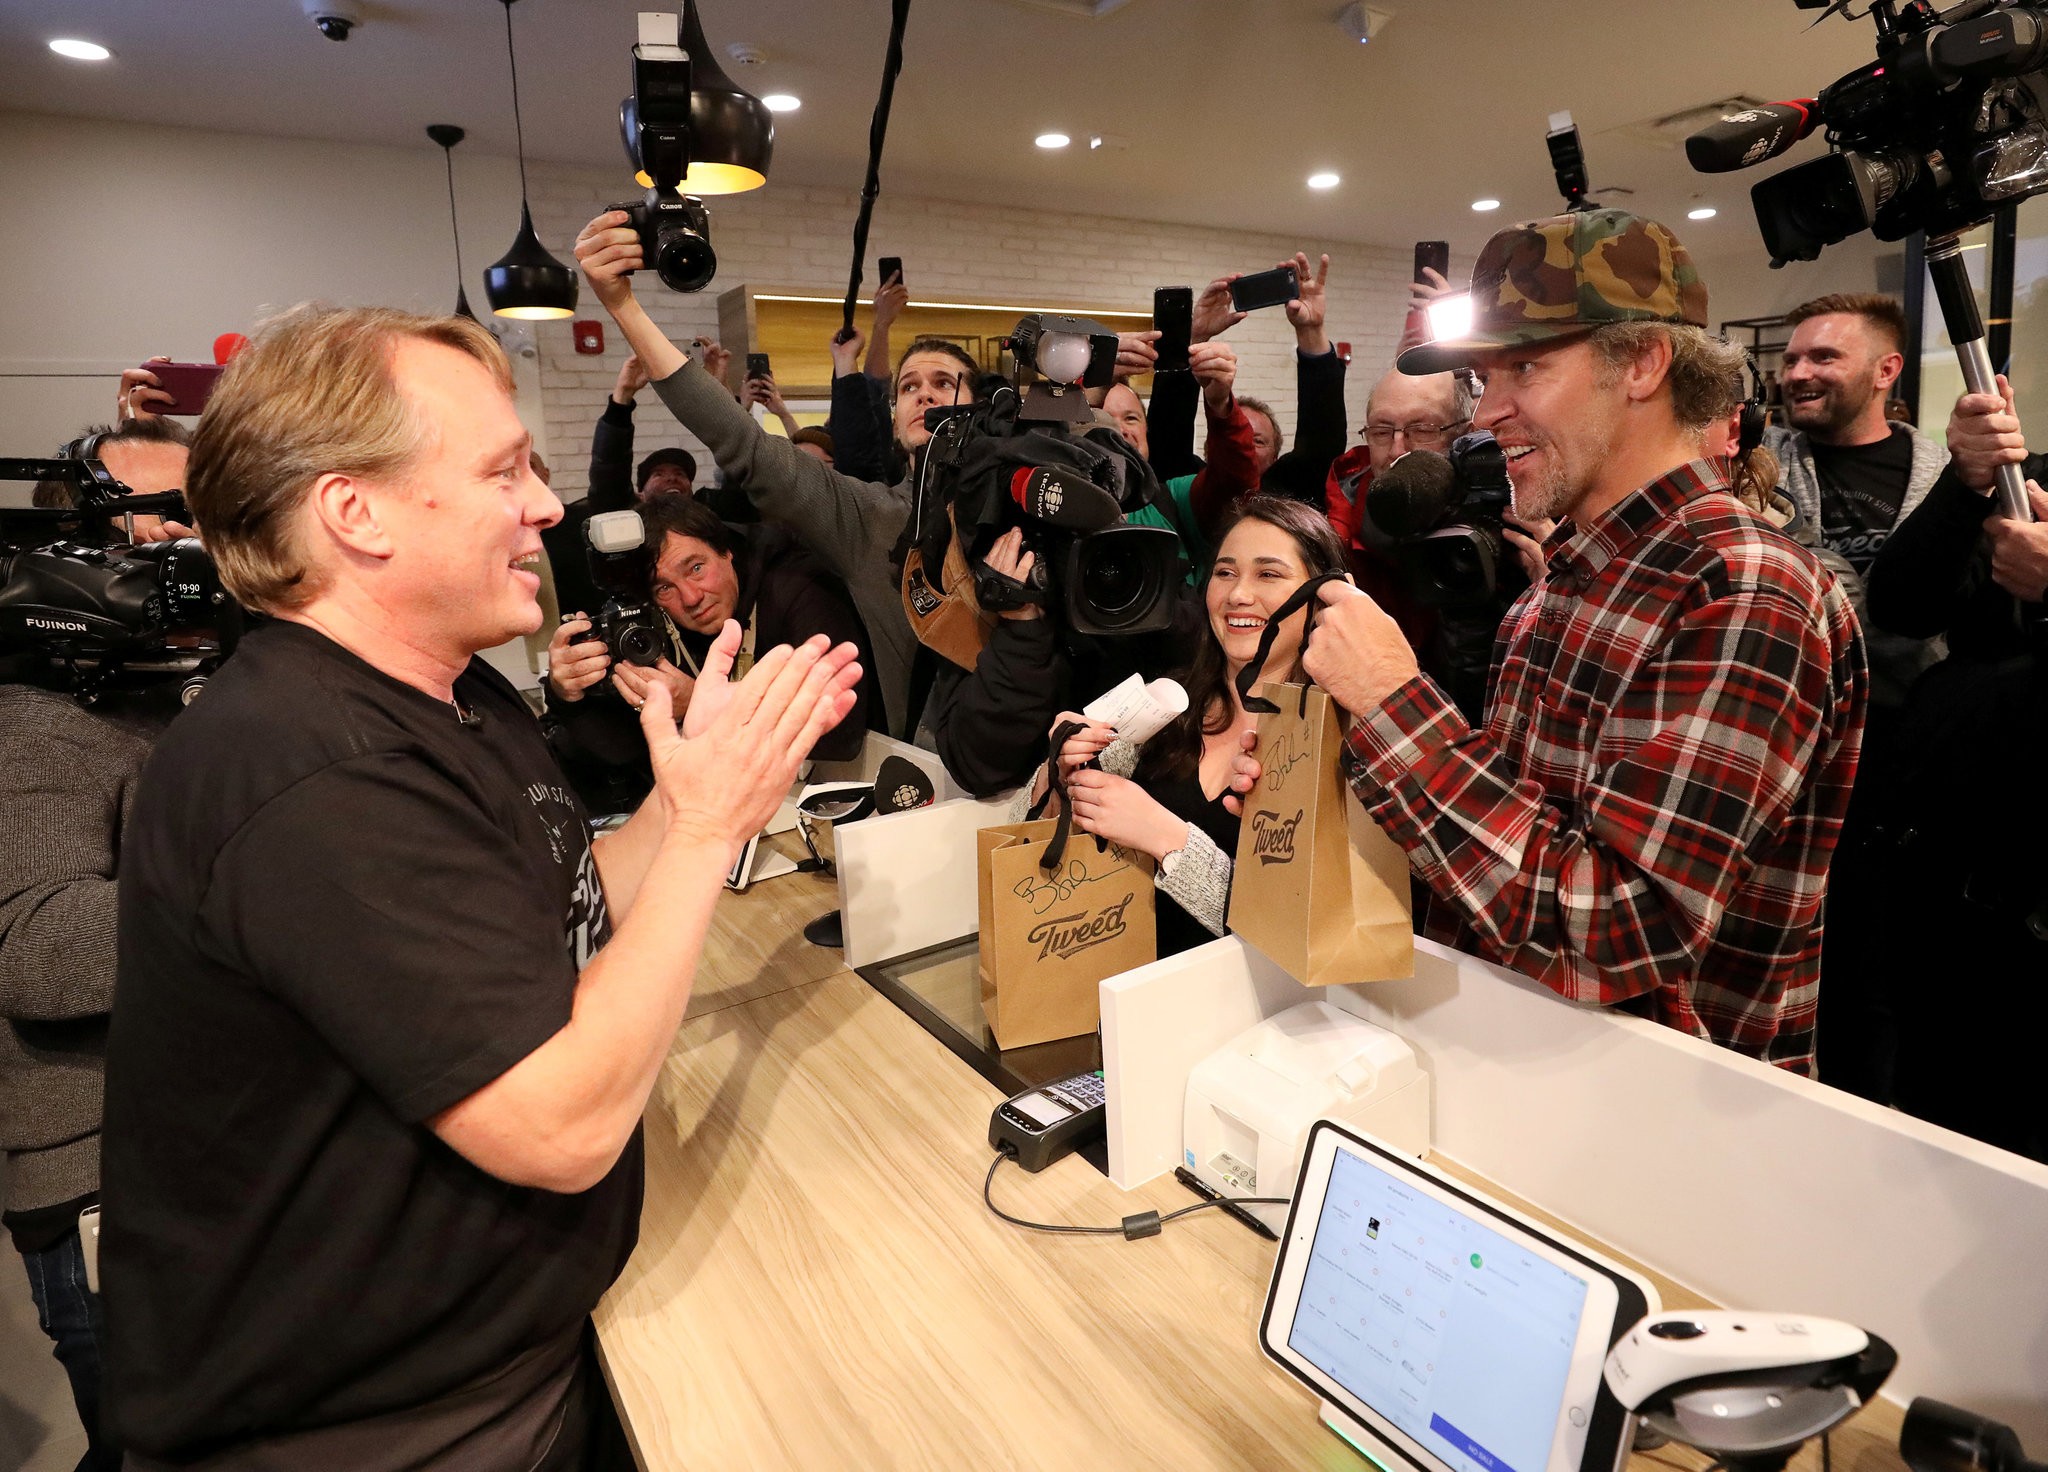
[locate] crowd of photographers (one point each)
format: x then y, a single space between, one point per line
1638 681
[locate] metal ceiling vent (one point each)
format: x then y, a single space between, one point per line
1671 130
1081 9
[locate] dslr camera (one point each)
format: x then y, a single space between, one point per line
1948 123
1444 513
74 596
658 125
675 238
621 564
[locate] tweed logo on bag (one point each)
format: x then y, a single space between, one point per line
1069 935
1273 836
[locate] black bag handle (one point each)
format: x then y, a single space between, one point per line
1056 849
1302 597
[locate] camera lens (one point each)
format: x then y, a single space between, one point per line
1118 583
189 581
639 644
684 259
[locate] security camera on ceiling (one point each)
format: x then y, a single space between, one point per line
334 19
1362 22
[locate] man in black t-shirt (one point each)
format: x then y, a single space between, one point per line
1855 477
386 1018
1853 474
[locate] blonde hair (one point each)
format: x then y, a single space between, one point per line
313 394
1705 374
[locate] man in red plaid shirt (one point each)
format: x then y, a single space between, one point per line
1676 707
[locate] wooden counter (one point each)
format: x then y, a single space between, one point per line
819 1286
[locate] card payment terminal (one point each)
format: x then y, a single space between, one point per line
1042 1124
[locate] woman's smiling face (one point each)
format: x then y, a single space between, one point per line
1256 568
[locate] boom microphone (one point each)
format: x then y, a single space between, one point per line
1412 495
1064 498
1748 137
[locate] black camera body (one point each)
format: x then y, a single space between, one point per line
106 600
675 237
1446 514
631 633
1947 124
621 565
74 599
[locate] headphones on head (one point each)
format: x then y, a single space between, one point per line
1749 432
86 446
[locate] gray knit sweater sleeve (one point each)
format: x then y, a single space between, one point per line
68 779
1200 881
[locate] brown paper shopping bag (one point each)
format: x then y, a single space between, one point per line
1059 913
1317 887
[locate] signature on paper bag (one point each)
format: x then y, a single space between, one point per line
1042 895
1068 935
1273 836
1283 759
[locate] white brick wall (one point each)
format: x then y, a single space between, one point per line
802 237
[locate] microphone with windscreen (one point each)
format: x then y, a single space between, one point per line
1748 137
1064 498
1413 495
901 785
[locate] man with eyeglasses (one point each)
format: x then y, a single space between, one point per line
1416 412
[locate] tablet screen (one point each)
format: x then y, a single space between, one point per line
1450 1330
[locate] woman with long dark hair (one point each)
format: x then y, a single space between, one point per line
1166 799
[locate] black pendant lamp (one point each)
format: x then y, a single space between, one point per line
446 136
732 133
526 281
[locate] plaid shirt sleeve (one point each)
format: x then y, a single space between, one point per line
1602 899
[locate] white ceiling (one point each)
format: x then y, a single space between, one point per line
1224 107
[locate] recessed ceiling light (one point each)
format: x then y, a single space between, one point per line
81 50
1704 212
1052 140
781 102
1483 206
1323 181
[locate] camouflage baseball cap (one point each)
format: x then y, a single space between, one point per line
1566 275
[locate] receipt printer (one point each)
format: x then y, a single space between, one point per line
1250 1103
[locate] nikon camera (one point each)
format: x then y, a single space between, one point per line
620 565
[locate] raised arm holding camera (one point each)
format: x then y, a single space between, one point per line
850 525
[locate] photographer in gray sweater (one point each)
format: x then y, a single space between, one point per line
67 782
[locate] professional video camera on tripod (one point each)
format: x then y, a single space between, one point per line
1945 127
80 607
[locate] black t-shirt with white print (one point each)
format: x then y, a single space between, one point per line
1862 488
344 908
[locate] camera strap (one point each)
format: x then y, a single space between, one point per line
1302 598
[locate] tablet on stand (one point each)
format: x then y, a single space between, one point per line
1443 1331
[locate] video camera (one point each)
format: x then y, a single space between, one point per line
1948 123
73 596
621 565
1444 513
1017 459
